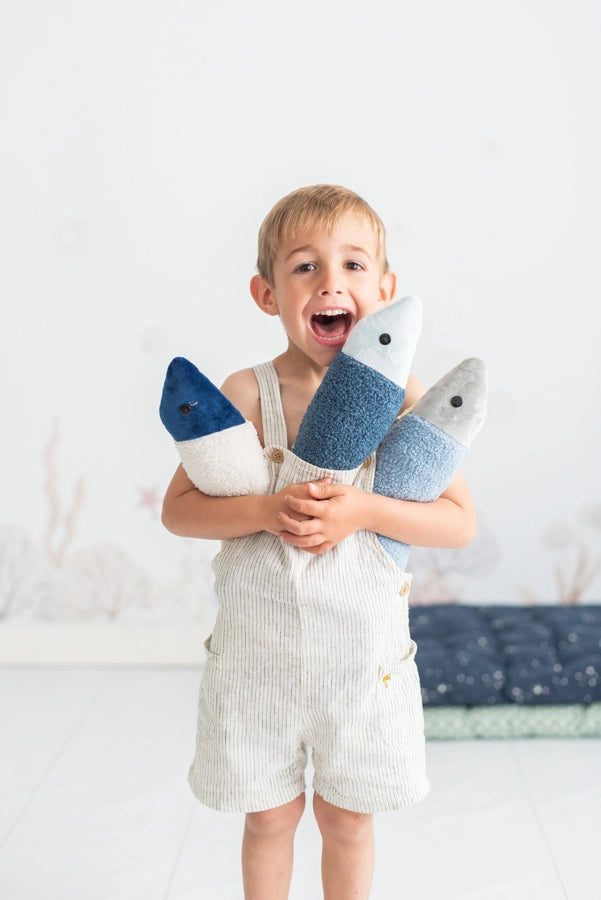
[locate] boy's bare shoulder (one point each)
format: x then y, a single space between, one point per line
242 389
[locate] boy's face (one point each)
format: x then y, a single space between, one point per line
323 283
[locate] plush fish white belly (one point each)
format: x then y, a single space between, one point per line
219 450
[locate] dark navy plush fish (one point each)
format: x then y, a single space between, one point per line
424 448
363 389
219 450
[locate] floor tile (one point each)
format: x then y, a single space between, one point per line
96 806
562 780
108 821
473 838
40 710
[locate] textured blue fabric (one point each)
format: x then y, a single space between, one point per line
482 655
350 413
192 406
415 461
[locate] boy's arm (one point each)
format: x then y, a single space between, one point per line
336 510
188 512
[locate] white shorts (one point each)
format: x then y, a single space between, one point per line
309 676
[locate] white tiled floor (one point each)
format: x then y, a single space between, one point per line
95 805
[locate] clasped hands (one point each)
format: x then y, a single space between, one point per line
317 515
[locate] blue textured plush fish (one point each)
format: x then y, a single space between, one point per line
424 448
363 389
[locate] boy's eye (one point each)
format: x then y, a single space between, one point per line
305 267
353 265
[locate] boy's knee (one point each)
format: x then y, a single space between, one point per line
277 821
341 824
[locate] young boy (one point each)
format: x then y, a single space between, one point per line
311 646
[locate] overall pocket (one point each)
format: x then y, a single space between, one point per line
399 697
293 470
207 696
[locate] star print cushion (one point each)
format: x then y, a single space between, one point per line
487 655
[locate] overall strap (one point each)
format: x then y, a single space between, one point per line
274 424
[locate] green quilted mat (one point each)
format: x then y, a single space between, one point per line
506 720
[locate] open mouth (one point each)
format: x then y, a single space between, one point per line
331 326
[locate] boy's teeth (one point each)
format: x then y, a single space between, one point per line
331 324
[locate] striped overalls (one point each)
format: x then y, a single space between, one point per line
308 651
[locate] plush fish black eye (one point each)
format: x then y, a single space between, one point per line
185 409
456 401
385 338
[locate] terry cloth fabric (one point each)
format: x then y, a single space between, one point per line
308 652
228 463
351 411
416 461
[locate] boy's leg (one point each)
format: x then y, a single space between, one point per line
347 863
268 850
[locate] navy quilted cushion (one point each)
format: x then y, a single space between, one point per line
480 655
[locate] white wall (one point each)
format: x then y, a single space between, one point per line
142 144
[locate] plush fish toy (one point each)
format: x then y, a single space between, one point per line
219 449
426 445
354 411
363 390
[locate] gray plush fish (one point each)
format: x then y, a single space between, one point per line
424 448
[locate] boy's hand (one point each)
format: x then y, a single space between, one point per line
326 515
274 504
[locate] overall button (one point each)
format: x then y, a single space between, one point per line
277 456
366 463
405 588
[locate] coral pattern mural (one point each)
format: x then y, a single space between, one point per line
57 580
576 551
443 576
135 175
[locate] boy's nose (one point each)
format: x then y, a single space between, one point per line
330 290
330 285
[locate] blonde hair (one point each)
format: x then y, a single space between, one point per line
319 204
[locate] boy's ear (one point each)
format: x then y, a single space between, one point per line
388 286
263 295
